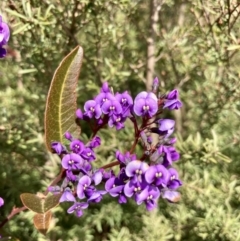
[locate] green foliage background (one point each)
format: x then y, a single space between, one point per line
197 44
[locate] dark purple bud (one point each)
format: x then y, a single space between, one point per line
105 88
68 136
155 85
58 148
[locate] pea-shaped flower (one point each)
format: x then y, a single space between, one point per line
145 104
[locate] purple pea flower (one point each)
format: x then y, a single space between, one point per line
104 97
77 146
171 196
97 196
125 158
97 176
166 159
145 104
117 121
58 148
157 175
150 196
1 202
95 142
166 127
70 176
112 107
136 170
173 182
72 161
172 101
77 208
134 188
114 186
67 196
84 188
92 109
88 154
126 102
4 37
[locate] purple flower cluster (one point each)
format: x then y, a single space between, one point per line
145 178
4 37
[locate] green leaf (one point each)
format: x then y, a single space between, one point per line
61 102
39 204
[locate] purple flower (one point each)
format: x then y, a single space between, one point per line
70 176
97 176
92 109
4 37
104 97
77 208
174 154
1 202
145 104
157 175
95 142
173 182
136 169
72 161
134 188
126 102
88 154
166 155
117 121
97 196
112 107
79 114
125 158
58 148
172 101
171 196
166 127
67 196
150 196
114 186
84 188
77 146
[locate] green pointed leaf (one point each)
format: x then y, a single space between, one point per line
61 102
39 204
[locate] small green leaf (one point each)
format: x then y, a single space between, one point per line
61 102
39 204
